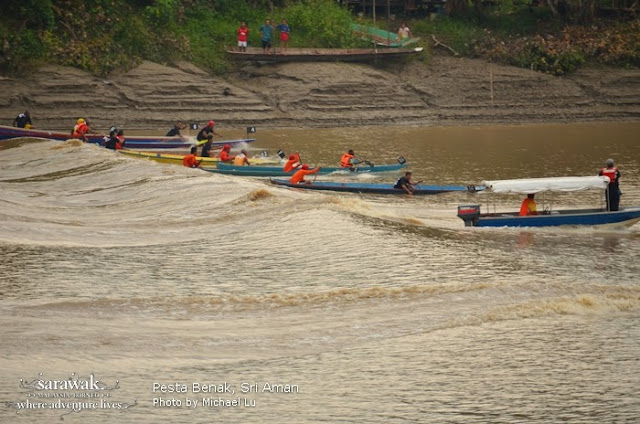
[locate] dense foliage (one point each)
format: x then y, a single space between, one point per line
102 35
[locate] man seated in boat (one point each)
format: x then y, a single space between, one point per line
82 128
348 160
225 154
175 131
241 159
298 177
405 183
529 206
209 129
190 160
23 120
293 163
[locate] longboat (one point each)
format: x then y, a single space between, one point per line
132 142
472 216
372 188
276 171
256 54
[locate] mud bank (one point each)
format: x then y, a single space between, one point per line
448 91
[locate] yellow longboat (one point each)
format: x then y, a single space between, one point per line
177 159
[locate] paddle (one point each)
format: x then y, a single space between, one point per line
401 160
365 161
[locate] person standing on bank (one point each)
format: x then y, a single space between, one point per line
243 35
613 191
266 32
284 36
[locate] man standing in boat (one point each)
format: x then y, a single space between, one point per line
209 129
613 191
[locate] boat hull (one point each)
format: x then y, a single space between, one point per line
276 171
132 142
177 159
369 188
321 55
591 217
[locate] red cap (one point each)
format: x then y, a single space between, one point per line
292 157
211 124
226 147
305 166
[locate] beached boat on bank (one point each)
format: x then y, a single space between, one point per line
132 142
471 215
276 171
420 189
382 37
321 55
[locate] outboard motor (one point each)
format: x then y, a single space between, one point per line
469 214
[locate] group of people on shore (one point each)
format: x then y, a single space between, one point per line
267 31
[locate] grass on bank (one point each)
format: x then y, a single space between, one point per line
103 35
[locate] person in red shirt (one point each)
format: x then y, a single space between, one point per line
243 33
298 177
190 160
293 163
225 155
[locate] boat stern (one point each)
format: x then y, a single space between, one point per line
469 214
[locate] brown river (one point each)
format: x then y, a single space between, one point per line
138 292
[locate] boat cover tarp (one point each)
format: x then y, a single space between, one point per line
536 185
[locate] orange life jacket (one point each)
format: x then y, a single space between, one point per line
298 177
528 207
611 173
80 130
190 161
347 160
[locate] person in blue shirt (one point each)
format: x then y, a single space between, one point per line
284 36
266 31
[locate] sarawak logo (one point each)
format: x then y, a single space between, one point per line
74 394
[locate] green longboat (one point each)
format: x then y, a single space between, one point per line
276 171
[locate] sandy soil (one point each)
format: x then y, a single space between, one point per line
448 91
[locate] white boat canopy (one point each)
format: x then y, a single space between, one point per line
536 185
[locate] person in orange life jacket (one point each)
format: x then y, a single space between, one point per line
190 159
121 141
529 206
81 129
209 129
406 184
241 159
292 163
348 160
613 191
224 154
298 177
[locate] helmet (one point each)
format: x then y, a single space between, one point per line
226 147
305 166
211 124
610 162
292 157
80 121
